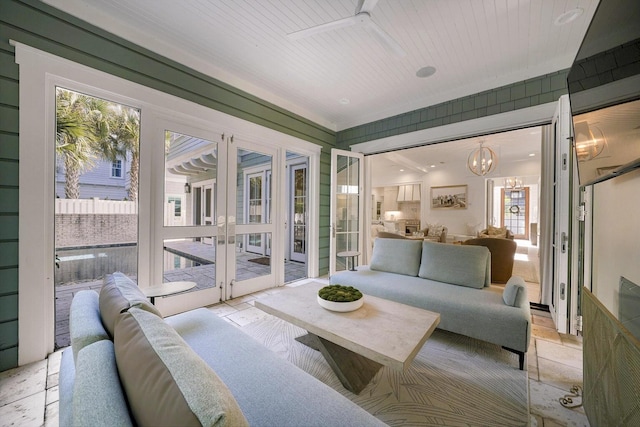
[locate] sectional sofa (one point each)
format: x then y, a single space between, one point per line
129 366
453 280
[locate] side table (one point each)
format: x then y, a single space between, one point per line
352 255
168 288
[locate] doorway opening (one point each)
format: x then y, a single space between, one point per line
497 200
96 190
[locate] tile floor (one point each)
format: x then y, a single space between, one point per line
29 394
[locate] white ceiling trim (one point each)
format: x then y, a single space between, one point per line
524 117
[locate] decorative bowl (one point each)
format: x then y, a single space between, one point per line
340 298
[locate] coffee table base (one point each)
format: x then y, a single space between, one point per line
353 370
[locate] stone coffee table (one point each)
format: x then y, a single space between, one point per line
358 343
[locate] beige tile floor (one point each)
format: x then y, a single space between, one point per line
29 394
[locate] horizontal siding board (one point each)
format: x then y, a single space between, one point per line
9 200
9 171
9 119
8 358
9 146
9 94
8 281
8 254
8 308
8 67
8 334
8 227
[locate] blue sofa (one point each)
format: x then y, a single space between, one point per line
128 366
453 280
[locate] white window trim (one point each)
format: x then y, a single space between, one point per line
40 72
121 170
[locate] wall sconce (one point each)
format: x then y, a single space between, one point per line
590 141
187 188
482 161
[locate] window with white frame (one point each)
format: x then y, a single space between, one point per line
116 169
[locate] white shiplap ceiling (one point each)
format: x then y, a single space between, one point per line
475 45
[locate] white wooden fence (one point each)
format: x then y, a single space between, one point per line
95 206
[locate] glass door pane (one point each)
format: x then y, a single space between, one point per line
515 212
346 208
299 215
190 232
251 230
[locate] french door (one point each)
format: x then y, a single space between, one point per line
561 289
298 212
515 211
227 215
347 207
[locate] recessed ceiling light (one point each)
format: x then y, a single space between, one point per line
344 101
568 16
532 154
401 170
425 72
432 166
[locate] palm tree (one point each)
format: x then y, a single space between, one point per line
124 137
73 139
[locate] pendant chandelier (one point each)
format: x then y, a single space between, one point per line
513 183
482 161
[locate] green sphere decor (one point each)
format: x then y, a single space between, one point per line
340 298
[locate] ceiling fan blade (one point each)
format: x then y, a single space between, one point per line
333 25
387 41
366 6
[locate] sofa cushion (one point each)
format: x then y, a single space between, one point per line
97 394
165 381
85 326
400 256
270 390
118 294
435 230
455 264
514 292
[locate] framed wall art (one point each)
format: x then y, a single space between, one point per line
449 197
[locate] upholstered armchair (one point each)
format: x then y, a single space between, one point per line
435 233
503 252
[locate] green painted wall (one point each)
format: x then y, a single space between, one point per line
48 29
528 93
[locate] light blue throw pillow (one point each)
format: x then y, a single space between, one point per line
514 292
401 256
455 264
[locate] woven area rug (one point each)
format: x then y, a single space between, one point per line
453 381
